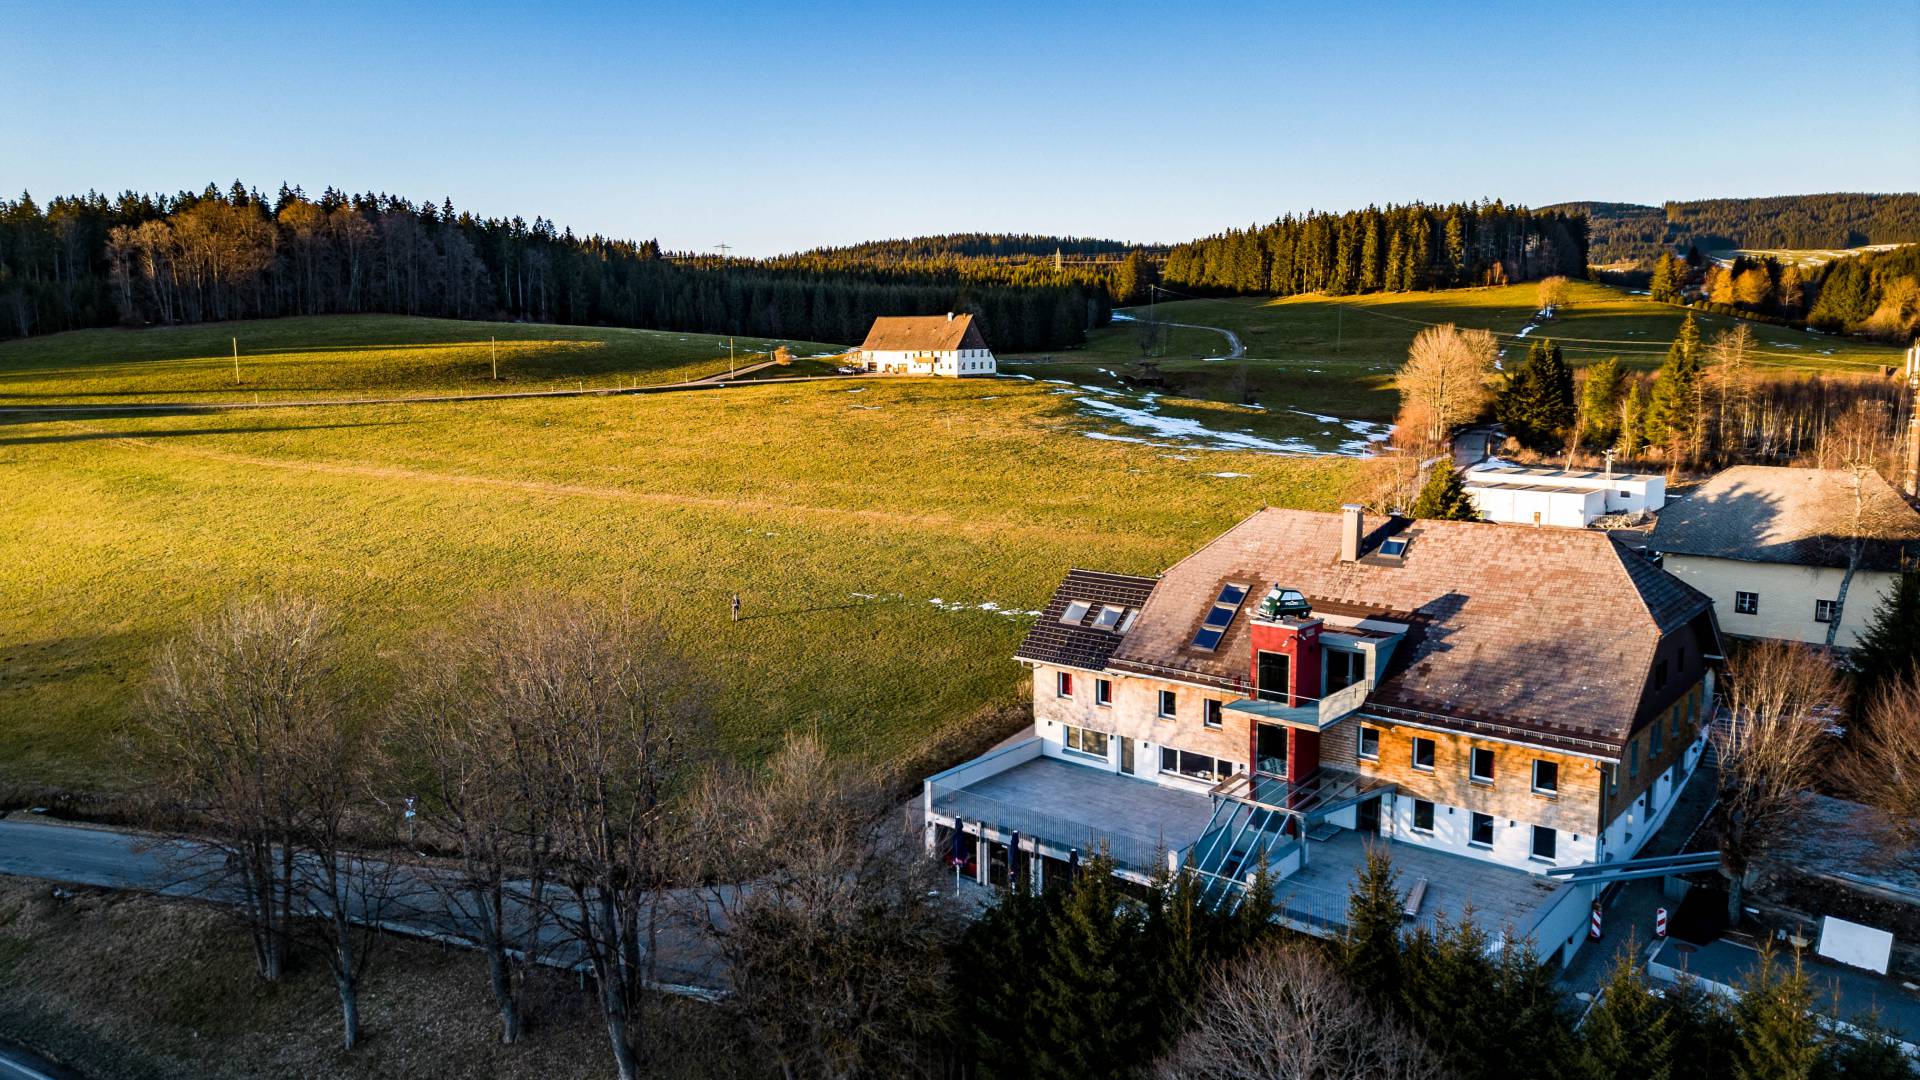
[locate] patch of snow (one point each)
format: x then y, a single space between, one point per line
858 390
1011 375
1229 475
1191 431
1121 316
988 606
1525 330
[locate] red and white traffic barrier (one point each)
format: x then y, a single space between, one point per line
1593 931
1660 922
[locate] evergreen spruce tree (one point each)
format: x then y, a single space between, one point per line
1780 1038
1089 986
1253 919
1662 289
1536 404
1600 403
1704 1038
1181 943
1449 992
1370 951
1633 421
1673 409
998 977
1890 649
1444 496
1871 1052
1539 1038
1629 1034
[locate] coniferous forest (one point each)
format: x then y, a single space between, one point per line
141 260
1398 249
1632 233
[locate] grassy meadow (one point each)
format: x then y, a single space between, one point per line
1337 355
886 537
345 356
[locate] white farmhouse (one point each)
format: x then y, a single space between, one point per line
1790 553
1573 498
927 345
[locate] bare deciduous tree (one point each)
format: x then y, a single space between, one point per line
1882 764
615 721
1858 442
464 749
228 715
1555 292
829 914
1779 699
1444 380
1282 1013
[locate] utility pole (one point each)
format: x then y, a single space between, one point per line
236 361
729 358
493 345
1913 421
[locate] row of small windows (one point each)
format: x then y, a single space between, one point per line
1748 603
1546 774
1544 845
1167 706
1175 762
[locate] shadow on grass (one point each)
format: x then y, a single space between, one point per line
85 436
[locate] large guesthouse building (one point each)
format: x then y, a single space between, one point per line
1491 702
947 344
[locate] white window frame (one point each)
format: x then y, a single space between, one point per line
1360 743
1473 823
1076 612
1413 753
1167 705
1746 603
1824 610
1063 684
1473 773
1413 817
1103 693
1212 713
1533 844
1550 792
1068 737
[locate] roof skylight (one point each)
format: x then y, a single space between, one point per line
1219 617
1076 612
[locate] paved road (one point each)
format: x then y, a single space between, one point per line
18 1064
121 860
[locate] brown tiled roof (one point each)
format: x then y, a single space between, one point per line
1758 513
923 333
1545 630
1054 642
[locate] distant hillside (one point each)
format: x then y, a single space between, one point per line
1630 232
971 246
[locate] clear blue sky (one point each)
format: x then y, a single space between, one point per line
778 127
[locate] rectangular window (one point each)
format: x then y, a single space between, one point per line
1273 673
1369 743
1103 692
1480 767
1086 741
1219 617
1546 777
1076 612
1545 843
1655 734
1063 684
1344 669
1109 617
1633 758
1823 610
1482 834
1660 674
1194 766
1423 754
1422 816
1210 713
1168 702
1746 603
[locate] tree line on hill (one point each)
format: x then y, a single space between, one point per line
555 761
87 261
1876 293
1634 234
1396 249
998 246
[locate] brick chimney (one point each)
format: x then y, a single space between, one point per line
1352 529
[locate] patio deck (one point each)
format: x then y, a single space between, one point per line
1073 806
1498 897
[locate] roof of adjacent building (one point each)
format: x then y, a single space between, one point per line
1054 642
1503 469
923 333
1758 513
1550 631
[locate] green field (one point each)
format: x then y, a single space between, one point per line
1337 356
885 535
356 356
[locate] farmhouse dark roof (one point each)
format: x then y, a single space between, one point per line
1757 513
923 333
1054 642
1552 631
